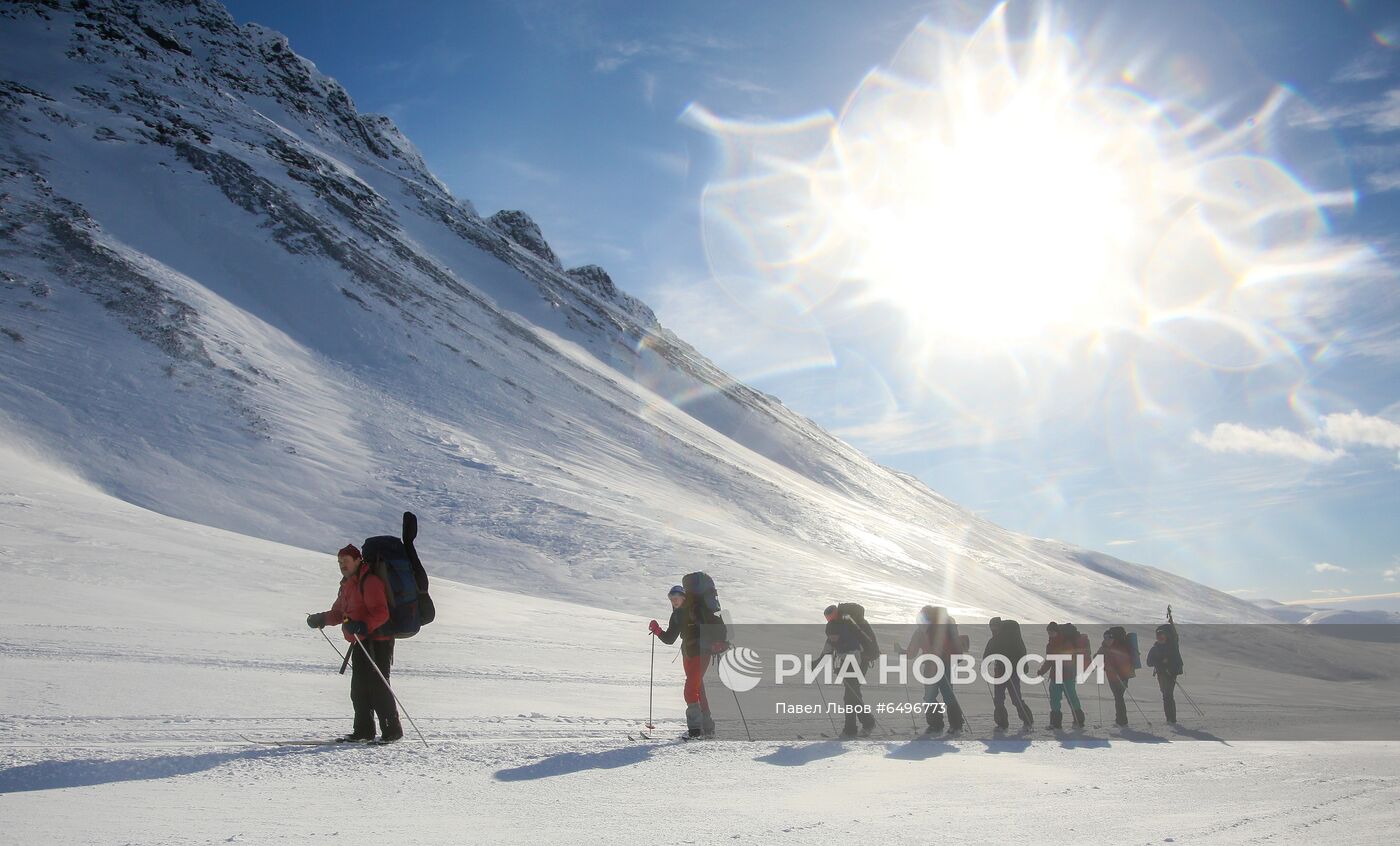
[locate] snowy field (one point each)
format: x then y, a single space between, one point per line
138 650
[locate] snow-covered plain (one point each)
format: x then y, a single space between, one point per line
138 649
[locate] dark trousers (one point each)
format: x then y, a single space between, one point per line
854 699
1167 682
1120 707
368 694
1011 687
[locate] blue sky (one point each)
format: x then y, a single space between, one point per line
1221 398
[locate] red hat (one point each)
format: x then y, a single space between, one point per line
350 550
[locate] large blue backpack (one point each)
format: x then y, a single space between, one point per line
396 563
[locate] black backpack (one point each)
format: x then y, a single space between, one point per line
869 646
703 601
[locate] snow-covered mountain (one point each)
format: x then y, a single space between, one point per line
229 297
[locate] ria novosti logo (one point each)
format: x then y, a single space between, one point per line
741 669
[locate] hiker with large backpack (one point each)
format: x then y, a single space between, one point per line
850 638
1064 650
362 610
1120 661
695 619
937 634
1165 659
1007 648
855 613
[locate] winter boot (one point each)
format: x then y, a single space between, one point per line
1078 718
1056 720
694 720
849 729
707 724
390 729
1027 718
935 722
999 717
355 738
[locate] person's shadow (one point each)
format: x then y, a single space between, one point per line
799 755
1197 734
921 750
52 775
574 762
998 745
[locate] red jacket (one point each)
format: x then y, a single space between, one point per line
1117 661
362 598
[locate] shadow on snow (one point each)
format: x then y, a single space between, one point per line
52 775
797 755
575 762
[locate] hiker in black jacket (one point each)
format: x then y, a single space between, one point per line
685 625
1165 659
1008 645
847 639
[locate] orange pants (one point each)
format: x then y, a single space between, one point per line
695 667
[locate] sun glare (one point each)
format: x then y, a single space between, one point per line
1002 194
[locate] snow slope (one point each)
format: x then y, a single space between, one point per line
228 297
137 648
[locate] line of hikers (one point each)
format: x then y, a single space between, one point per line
695 620
383 596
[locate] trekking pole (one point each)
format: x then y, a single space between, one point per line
651 684
1189 699
741 716
1136 705
909 697
344 659
1098 690
826 707
388 687
338 653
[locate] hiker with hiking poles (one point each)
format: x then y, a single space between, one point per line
1007 648
937 635
695 619
1120 658
362 608
1165 659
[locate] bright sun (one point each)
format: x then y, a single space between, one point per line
1002 194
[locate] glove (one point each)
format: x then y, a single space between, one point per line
410 527
655 628
316 621
357 627
718 647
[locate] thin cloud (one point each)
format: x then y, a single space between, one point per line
1383 182
1357 429
1367 67
744 86
1325 567
526 170
1240 439
1391 575
1331 591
